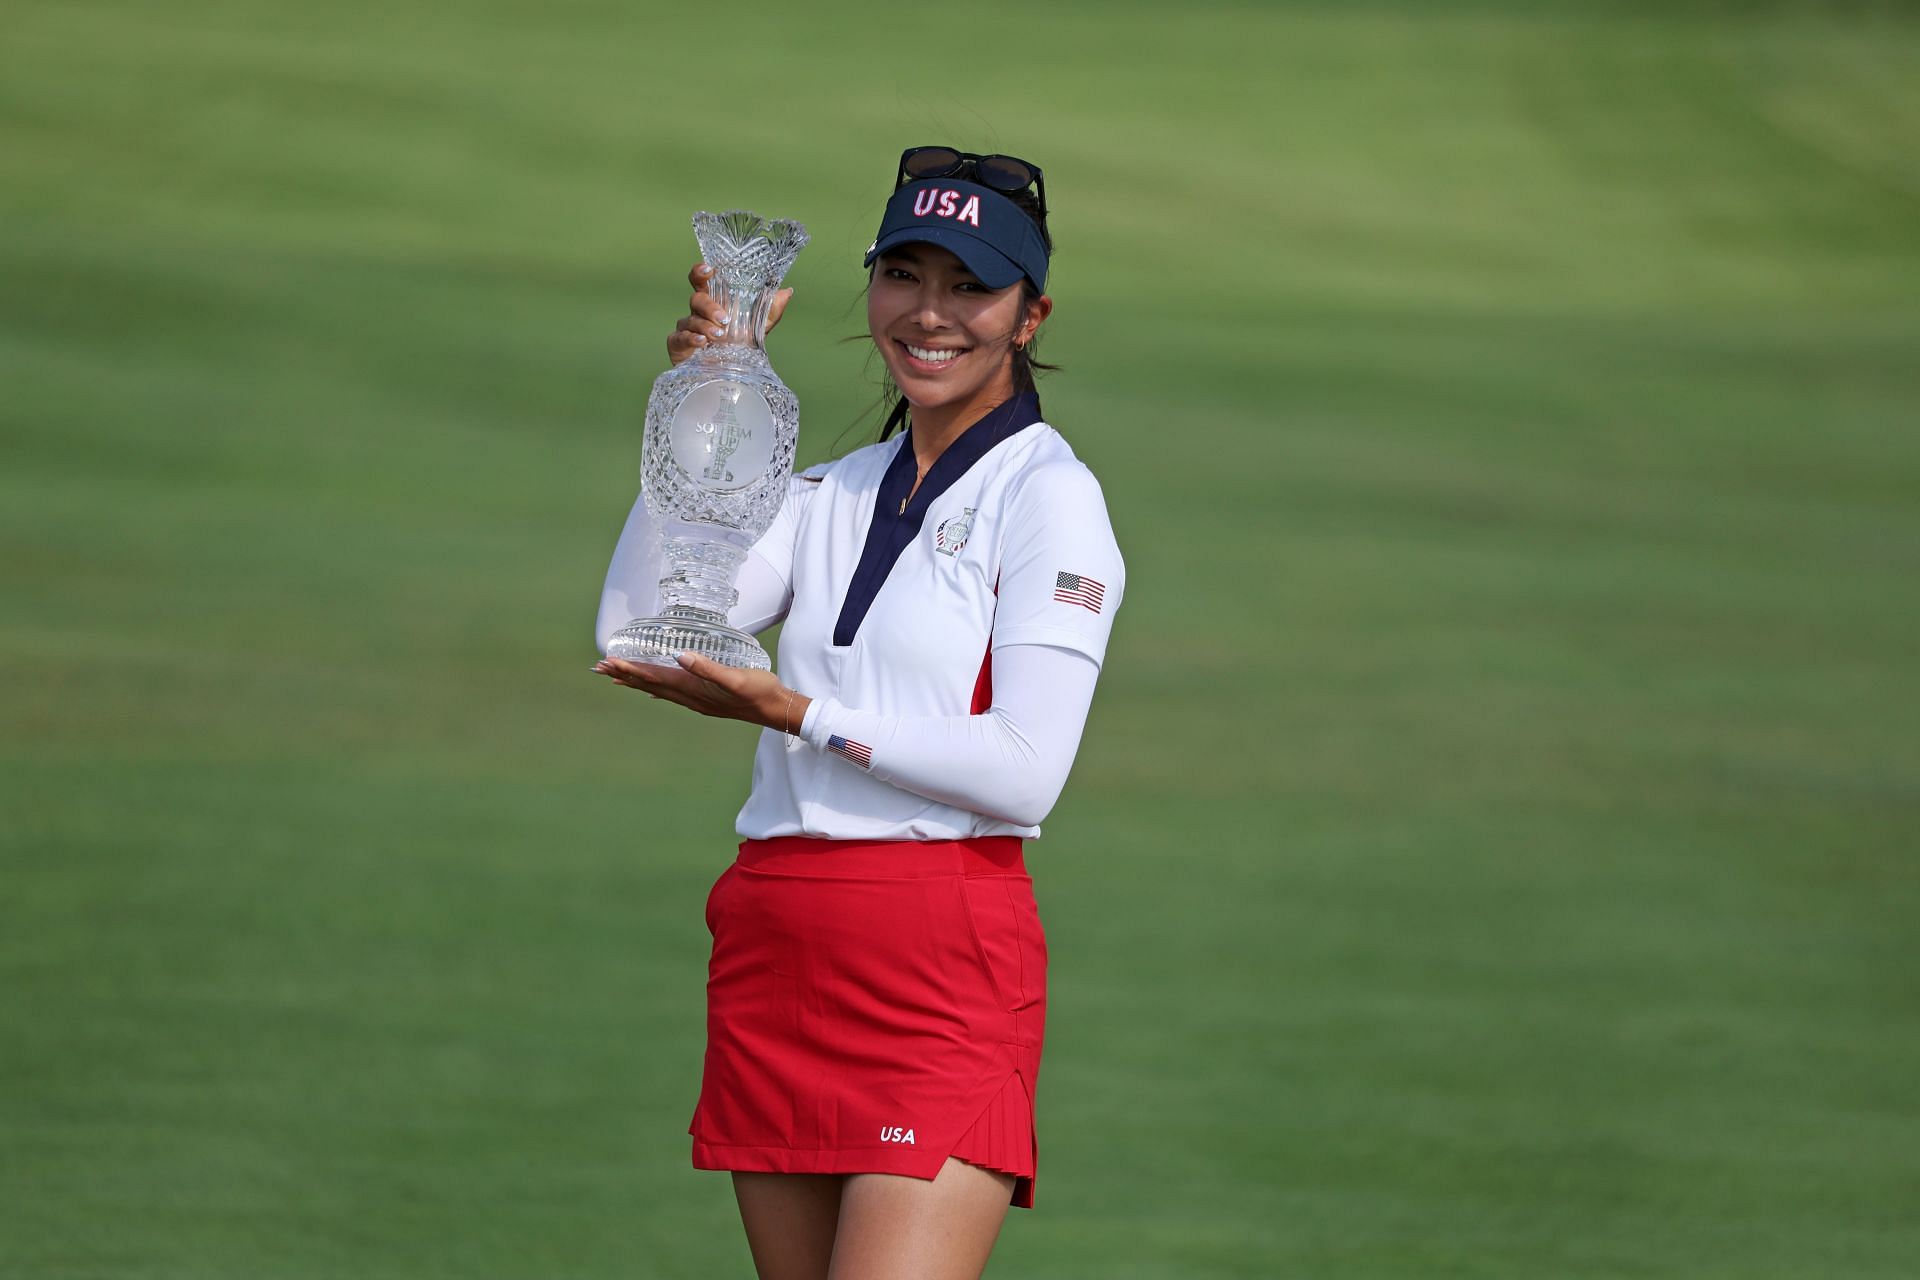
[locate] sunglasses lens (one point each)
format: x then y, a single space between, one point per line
1004 173
931 162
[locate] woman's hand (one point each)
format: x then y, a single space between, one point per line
705 321
706 686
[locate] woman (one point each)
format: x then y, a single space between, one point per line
877 989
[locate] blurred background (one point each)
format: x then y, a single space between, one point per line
1493 850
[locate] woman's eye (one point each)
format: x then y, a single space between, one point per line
898 273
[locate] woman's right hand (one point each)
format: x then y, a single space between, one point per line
705 321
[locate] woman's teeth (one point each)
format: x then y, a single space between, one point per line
931 356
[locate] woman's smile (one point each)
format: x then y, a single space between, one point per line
930 359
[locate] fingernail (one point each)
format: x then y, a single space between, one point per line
721 317
699 339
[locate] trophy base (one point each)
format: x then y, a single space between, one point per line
660 641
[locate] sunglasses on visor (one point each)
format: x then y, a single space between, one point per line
1005 174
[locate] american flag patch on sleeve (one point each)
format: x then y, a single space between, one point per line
858 752
1072 588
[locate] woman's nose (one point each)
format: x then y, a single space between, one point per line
928 313
930 304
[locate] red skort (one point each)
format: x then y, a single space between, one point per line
873 1007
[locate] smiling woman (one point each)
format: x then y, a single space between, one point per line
1021 258
876 995
946 337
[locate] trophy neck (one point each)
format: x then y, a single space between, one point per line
747 303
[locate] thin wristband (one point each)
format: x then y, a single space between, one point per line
786 717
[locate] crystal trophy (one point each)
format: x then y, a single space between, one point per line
718 451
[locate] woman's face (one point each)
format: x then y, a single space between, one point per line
944 335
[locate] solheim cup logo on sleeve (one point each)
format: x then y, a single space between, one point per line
953 532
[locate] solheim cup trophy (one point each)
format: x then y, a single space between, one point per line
718 451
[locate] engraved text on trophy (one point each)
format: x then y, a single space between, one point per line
726 431
722 436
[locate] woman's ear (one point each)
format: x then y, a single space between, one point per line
1037 312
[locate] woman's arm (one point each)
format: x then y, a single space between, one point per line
632 588
1009 763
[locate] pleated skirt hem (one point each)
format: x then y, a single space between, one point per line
1002 1139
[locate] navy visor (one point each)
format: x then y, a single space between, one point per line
991 234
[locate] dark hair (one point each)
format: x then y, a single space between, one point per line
1024 365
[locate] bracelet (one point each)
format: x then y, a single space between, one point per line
786 718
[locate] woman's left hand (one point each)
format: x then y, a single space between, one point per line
712 689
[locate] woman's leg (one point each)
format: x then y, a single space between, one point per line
790 1220
899 1228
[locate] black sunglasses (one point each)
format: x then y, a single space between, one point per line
1005 174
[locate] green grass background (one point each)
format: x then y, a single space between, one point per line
1493 851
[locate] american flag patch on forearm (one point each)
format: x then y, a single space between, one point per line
1073 588
858 752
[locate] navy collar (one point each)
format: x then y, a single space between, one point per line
897 517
